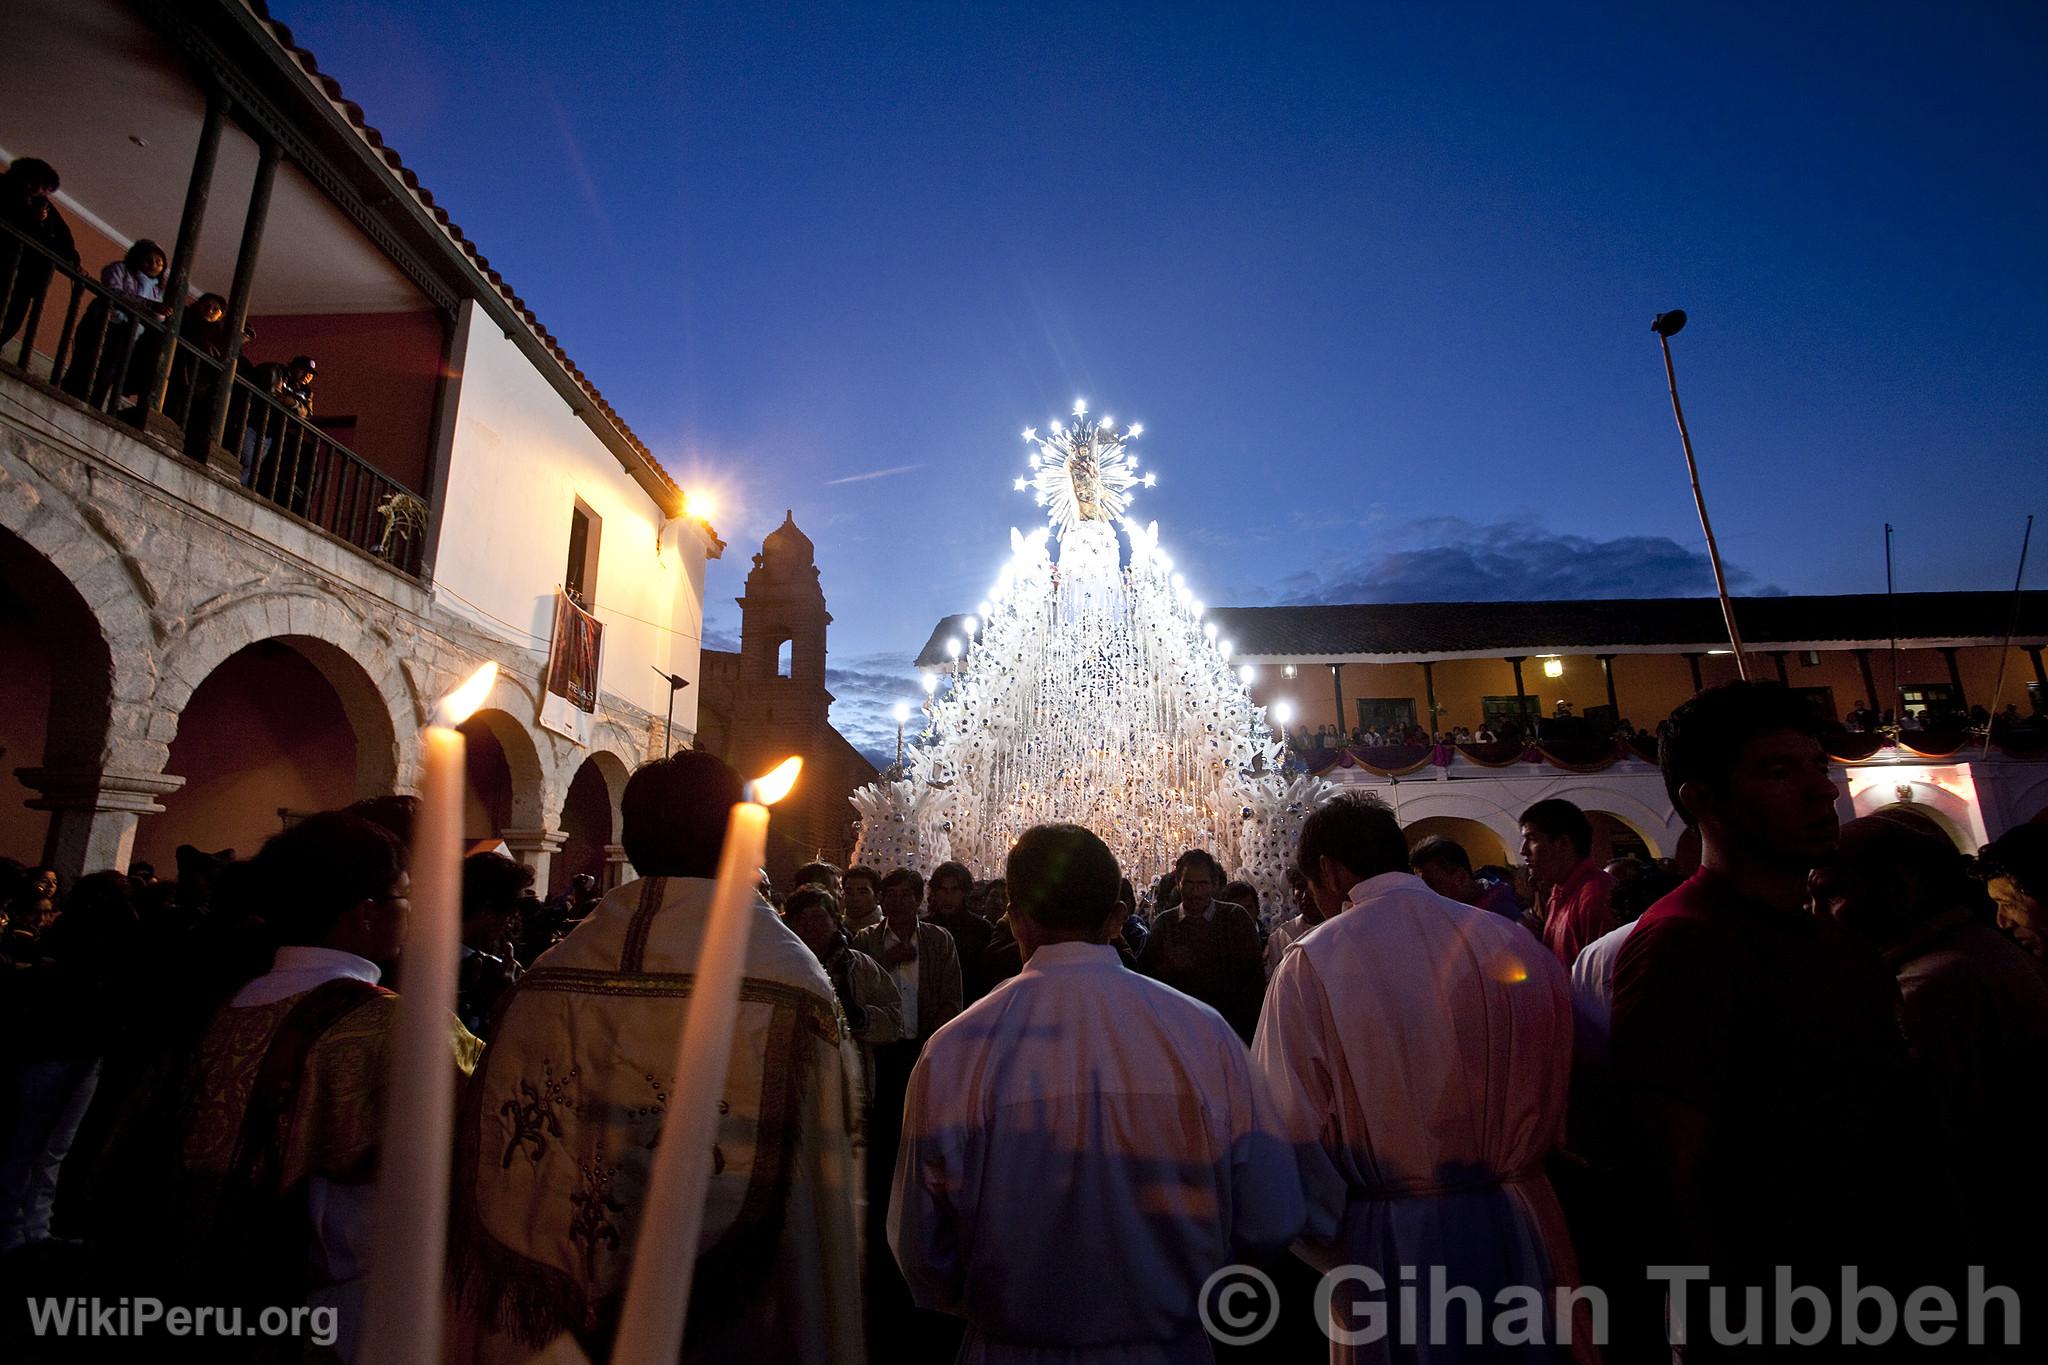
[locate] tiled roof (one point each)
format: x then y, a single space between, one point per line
1395 631
410 179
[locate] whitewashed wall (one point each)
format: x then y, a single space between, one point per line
519 461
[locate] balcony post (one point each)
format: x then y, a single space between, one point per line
197 190
238 306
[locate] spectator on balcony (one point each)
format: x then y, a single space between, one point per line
25 190
276 462
1486 734
107 345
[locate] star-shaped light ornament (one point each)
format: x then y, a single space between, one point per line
1083 471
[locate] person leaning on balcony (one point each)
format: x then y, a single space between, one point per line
272 460
25 190
102 359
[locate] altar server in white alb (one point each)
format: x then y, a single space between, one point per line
1084 1146
1419 1051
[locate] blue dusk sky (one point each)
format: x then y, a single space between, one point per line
1376 278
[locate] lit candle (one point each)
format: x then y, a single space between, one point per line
672 1215
402 1306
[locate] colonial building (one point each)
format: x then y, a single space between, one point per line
1929 658
221 607
769 701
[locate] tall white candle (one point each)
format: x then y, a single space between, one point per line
402 1307
672 1216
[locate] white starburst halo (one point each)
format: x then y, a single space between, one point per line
1083 472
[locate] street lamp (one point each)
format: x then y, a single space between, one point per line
902 718
1667 326
676 683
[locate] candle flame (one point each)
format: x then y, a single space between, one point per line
772 788
459 705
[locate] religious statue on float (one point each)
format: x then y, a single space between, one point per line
1092 689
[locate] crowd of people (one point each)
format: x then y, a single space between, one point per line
1027 1116
111 356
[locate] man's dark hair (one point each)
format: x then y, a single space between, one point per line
808 895
904 876
1241 894
1203 857
1558 818
819 873
322 868
396 813
1357 830
2020 853
1063 878
1705 737
956 873
674 813
858 873
492 883
33 174
1437 851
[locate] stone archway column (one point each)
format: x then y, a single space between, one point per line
618 868
536 848
93 813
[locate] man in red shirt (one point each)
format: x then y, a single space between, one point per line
1762 1077
1557 844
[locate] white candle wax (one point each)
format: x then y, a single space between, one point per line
402 1309
672 1215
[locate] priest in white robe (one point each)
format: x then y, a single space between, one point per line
1419 1051
1084 1146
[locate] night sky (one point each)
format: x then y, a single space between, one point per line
1376 279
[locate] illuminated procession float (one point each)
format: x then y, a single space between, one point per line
1089 689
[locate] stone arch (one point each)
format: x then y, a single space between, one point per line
1479 840
1456 804
1912 789
533 798
355 658
1658 829
74 559
589 820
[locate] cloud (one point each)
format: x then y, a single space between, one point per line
719 635
873 474
864 694
1448 559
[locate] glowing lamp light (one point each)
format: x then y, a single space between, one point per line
459 705
1137 428
699 504
1197 608
1031 433
981 609
902 712
1288 671
1151 481
1108 422
1021 485
1080 407
1283 711
1209 630
1246 674
767 790
931 682
1056 425
953 649
1224 649
1553 668
1178 582
970 625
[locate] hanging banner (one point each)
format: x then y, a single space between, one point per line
568 696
